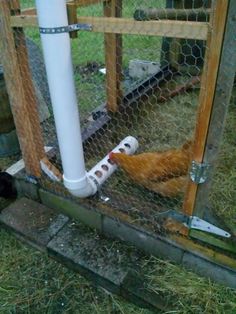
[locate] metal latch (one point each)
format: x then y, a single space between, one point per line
199 172
65 29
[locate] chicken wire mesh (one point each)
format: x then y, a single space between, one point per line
137 84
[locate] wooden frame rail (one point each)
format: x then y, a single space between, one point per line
167 28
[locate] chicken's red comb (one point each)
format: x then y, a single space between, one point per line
110 155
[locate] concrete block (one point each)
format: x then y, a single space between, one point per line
74 210
92 256
140 69
26 189
134 289
32 222
213 271
142 240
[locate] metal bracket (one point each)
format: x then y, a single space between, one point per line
200 224
199 172
193 222
65 29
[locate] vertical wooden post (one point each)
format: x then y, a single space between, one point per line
113 58
23 61
16 90
224 85
206 98
72 16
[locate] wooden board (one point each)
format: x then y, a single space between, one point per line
85 3
16 91
29 11
225 81
113 58
29 90
167 28
207 92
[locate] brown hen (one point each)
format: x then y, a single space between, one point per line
162 172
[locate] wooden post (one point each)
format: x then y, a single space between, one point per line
206 99
16 91
72 17
224 85
29 90
113 58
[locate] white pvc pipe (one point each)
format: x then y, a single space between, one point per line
104 169
57 56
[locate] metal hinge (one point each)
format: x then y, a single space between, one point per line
200 224
193 222
65 29
199 172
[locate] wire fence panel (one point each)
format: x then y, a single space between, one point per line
136 73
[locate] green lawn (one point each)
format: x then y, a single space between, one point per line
32 283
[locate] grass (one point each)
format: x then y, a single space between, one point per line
30 282
186 291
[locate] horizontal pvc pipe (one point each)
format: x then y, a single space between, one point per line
104 169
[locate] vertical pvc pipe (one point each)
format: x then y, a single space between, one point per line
58 62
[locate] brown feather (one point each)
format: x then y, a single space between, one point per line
162 172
